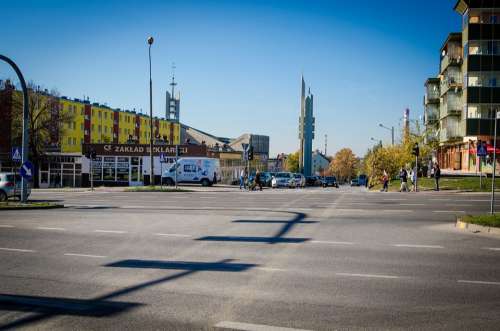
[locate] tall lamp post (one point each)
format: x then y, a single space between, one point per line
26 116
390 129
151 168
492 206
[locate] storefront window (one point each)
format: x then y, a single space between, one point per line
97 168
108 169
122 168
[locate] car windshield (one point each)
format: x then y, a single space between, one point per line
283 175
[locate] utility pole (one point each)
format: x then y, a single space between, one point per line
492 206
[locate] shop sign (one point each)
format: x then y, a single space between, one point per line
144 150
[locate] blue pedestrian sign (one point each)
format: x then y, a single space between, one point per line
16 153
162 158
481 148
26 170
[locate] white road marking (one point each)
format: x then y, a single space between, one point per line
411 204
172 235
492 248
397 210
395 199
85 255
270 269
17 250
417 246
252 327
6 226
448 211
332 242
366 275
109 231
441 199
478 282
52 229
458 205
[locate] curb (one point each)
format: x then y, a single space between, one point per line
32 208
474 228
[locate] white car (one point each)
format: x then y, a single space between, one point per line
283 179
300 180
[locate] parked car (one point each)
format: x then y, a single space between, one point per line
330 181
354 182
201 170
313 181
283 179
10 186
300 180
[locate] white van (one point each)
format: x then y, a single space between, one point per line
201 170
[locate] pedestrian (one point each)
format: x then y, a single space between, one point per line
403 176
437 175
385 181
242 179
258 180
215 178
413 176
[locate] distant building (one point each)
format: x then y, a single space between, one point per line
306 130
320 162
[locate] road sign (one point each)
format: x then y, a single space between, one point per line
481 148
16 154
26 170
162 158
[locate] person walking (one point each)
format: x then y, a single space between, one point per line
258 180
385 181
403 176
437 175
242 179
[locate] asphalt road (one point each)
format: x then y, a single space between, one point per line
300 259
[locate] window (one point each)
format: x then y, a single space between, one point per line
74 141
100 114
105 115
105 129
93 127
69 140
82 112
81 126
99 129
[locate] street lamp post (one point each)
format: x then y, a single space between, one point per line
26 116
492 206
151 168
390 129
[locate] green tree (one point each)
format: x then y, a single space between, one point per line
292 162
344 164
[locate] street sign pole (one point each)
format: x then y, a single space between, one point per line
416 173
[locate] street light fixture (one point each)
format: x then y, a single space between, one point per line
151 175
390 129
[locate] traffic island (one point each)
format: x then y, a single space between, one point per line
10 205
155 189
479 223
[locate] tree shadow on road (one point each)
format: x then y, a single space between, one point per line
101 306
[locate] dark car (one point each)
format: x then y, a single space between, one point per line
330 181
313 181
266 178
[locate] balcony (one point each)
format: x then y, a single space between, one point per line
451 131
448 60
450 109
451 82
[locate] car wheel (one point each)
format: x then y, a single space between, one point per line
3 196
205 182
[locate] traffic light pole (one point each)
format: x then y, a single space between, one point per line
176 157
91 173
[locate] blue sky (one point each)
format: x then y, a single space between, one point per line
239 62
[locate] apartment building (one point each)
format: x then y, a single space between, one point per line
75 123
469 89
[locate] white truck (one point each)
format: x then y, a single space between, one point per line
199 170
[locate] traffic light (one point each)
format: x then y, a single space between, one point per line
416 150
250 153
